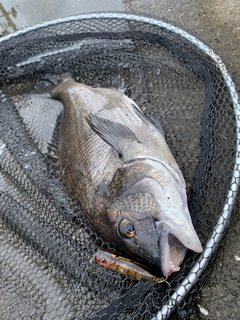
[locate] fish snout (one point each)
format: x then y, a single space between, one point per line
188 237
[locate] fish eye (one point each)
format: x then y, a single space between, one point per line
104 261
127 229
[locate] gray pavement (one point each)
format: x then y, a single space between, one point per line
215 22
16 14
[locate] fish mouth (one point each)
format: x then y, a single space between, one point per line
172 255
171 250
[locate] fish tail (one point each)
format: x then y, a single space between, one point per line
62 87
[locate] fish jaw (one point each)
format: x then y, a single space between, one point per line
171 250
175 237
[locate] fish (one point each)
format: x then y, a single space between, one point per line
115 161
126 266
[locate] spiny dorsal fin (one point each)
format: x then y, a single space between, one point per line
111 132
148 119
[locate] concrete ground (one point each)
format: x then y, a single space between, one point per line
215 22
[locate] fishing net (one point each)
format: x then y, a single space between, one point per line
46 245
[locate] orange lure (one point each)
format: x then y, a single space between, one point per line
111 261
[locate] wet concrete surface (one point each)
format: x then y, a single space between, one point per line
215 22
17 14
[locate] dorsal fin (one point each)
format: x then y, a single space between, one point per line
148 119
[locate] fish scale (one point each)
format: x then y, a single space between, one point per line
89 148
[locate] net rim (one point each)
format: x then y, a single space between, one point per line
224 219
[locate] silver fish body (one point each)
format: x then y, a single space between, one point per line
116 162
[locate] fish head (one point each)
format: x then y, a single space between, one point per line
136 234
152 221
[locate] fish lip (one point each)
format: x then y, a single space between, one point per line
171 250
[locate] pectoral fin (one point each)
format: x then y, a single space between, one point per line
111 132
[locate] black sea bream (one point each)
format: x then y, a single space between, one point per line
116 162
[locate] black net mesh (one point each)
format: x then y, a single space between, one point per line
46 246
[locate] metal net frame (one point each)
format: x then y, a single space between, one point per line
44 230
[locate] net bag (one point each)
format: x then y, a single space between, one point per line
46 245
